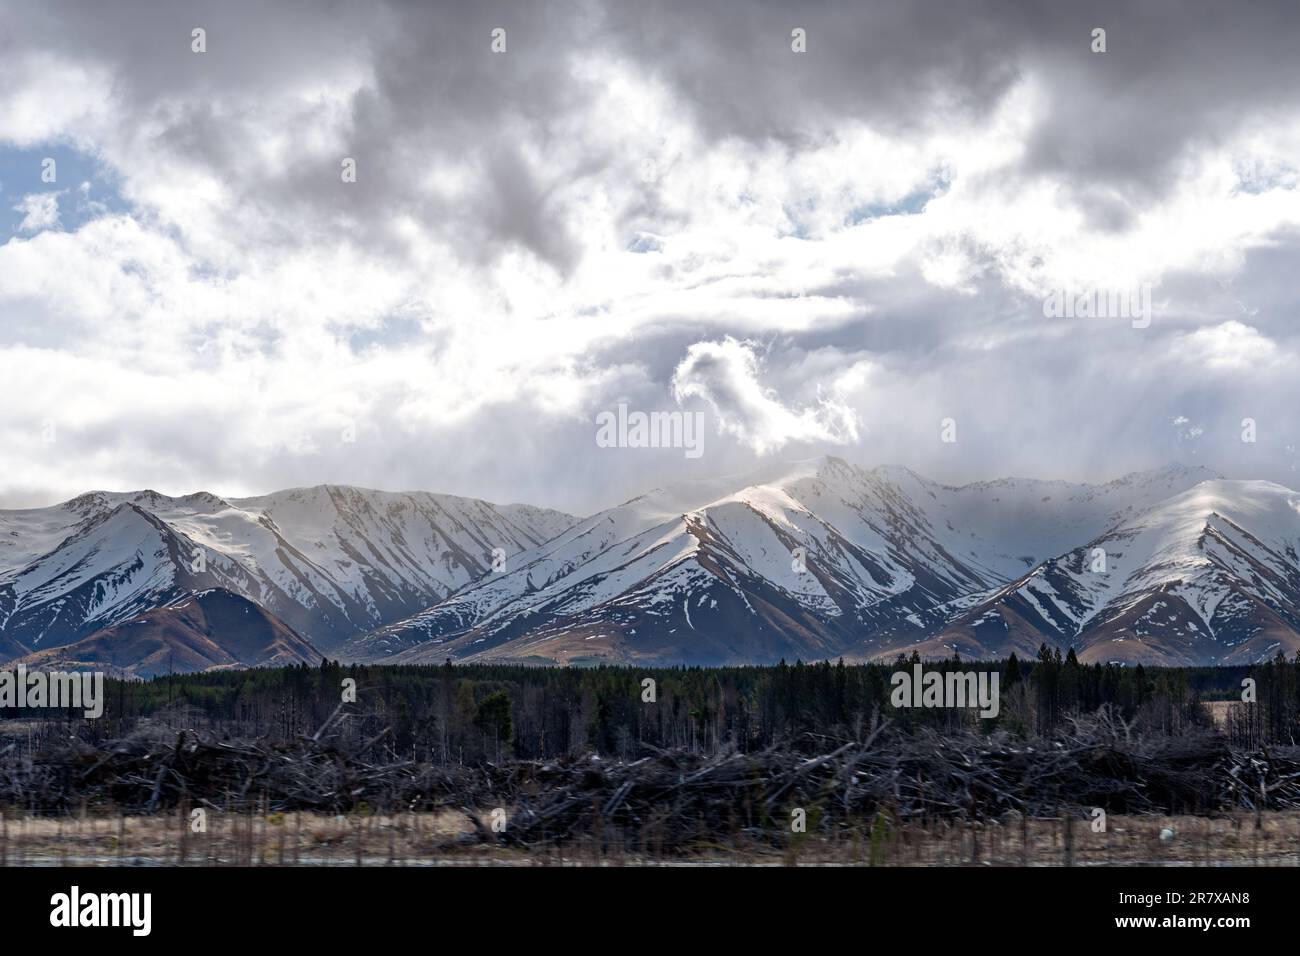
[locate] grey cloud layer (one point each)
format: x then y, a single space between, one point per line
1177 72
496 157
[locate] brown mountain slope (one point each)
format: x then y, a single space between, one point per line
211 630
10 648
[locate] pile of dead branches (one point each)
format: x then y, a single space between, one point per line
670 800
685 800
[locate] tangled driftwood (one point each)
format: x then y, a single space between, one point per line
671 799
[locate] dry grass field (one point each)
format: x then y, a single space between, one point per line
448 838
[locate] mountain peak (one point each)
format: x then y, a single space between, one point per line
1174 471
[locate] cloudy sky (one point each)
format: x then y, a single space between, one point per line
660 204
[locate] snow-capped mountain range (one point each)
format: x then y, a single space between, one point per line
814 560
328 561
1208 575
824 559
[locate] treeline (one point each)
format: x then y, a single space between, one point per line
472 713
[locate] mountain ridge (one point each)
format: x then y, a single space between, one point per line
886 547
328 560
814 559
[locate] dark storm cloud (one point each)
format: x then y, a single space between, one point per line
432 92
1176 73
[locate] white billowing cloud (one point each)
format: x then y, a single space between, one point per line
45 96
533 235
725 375
40 211
1231 346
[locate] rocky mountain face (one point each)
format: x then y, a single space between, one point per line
211 630
819 559
329 561
1208 576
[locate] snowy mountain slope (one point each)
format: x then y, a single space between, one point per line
1211 575
117 562
708 573
210 630
589 549
1011 524
329 561
813 559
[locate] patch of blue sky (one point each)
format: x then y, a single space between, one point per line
391 331
645 242
1256 175
794 217
910 205
85 188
